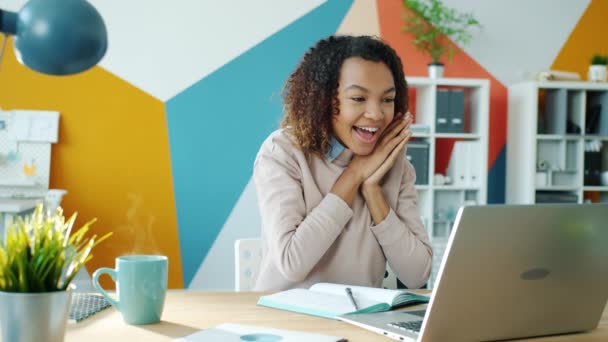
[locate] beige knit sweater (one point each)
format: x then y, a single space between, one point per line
311 235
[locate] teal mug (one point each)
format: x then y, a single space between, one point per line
141 285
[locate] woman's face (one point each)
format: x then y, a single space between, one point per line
366 92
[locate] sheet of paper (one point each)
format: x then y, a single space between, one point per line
238 332
34 126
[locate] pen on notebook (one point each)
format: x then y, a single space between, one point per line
349 294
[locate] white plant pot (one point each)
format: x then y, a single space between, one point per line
596 73
26 317
435 70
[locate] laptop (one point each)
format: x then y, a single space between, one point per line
511 271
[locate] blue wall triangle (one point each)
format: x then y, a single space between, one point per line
218 124
497 177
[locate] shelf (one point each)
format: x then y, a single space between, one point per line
449 222
555 108
470 136
565 171
569 85
446 81
595 188
596 137
18 182
14 205
558 137
557 188
456 187
466 100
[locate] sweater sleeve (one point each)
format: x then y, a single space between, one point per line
296 241
403 238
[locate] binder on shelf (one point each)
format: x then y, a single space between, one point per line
597 113
458 167
442 111
417 153
593 167
601 101
474 165
593 118
456 111
556 101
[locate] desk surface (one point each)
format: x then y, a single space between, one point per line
186 312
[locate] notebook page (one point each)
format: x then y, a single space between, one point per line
363 294
313 302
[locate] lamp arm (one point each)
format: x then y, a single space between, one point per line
8 22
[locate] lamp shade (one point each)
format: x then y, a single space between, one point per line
57 37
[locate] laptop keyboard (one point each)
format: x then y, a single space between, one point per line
411 326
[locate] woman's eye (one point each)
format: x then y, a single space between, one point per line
357 98
388 100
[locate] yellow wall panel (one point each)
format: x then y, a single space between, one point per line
112 157
361 19
586 39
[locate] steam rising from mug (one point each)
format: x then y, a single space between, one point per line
57 37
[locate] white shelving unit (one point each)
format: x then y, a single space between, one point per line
550 128
439 203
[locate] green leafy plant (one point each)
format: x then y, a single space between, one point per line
598 59
40 255
432 23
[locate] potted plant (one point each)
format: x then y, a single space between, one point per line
433 24
597 69
39 258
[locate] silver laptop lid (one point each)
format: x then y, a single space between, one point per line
520 271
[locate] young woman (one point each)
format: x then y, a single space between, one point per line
335 191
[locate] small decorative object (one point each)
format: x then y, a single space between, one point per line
541 178
597 69
38 260
439 179
604 178
557 75
543 165
433 25
53 198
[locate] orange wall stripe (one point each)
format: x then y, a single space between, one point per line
391 14
112 157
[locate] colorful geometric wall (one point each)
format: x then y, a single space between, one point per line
217 125
158 141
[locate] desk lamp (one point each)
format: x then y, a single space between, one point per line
56 37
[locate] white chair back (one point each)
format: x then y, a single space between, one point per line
247 260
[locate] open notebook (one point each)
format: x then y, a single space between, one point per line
330 300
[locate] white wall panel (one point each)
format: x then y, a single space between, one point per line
162 47
217 270
519 37
11 5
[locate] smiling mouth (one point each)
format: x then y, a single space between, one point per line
367 134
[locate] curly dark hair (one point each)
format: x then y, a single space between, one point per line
310 95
